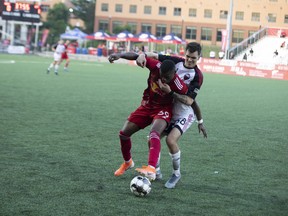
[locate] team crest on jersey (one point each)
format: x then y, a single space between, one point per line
187 76
155 88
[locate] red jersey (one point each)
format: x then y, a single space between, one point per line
64 54
153 94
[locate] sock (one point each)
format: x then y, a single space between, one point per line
51 65
56 68
158 162
176 162
126 145
155 147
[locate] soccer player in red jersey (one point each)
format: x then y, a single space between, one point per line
65 56
156 109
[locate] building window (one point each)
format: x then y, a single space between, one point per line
177 30
237 36
133 9
219 35
103 25
177 11
118 8
286 19
45 8
116 24
271 17
147 9
206 34
104 7
255 17
133 27
162 10
191 33
239 15
192 12
208 13
146 27
160 30
223 14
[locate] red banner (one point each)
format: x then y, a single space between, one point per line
45 34
224 39
278 32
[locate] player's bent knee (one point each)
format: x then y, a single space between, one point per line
123 136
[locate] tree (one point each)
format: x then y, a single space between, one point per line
119 29
85 10
57 20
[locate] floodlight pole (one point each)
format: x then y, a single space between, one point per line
229 29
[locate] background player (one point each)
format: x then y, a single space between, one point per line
58 50
65 56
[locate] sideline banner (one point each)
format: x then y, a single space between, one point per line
239 68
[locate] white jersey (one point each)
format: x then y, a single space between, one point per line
183 115
60 48
187 75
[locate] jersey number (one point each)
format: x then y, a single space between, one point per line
164 114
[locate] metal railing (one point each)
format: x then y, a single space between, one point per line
243 45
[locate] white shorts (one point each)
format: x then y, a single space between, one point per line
57 56
182 118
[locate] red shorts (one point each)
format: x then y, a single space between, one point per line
144 116
64 55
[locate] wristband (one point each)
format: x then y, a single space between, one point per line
200 121
171 93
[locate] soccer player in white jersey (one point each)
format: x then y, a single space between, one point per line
183 114
58 50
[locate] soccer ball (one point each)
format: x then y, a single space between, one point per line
140 186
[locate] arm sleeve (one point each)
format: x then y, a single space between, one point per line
152 64
196 84
179 86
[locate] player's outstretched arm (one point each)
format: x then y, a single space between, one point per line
128 56
198 114
141 60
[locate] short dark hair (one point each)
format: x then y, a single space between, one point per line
167 67
193 46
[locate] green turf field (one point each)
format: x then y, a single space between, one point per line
60 146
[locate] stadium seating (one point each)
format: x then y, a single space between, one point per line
264 51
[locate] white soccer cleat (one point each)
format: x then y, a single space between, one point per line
171 183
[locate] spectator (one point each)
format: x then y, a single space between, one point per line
244 57
212 54
221 54
181 51
251 51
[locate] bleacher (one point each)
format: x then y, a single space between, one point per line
264 51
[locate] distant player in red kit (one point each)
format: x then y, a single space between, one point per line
65 56
156 109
